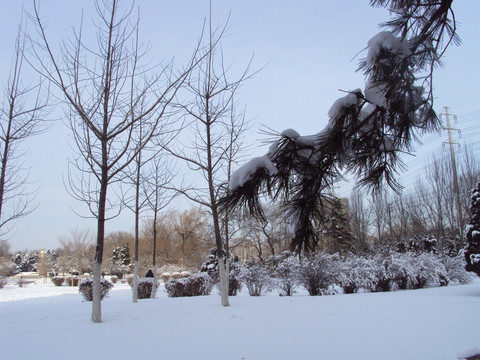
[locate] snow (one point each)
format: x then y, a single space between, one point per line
245 172
375 94
385 40
43 321
290 133
337 109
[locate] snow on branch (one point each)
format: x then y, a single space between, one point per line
365 131
247 171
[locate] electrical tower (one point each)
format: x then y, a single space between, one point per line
456 188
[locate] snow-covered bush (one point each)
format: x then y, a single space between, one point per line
234 283
430 271
72 280
26 261
7 267
256 279
355 274
121 263
455 268
165 276
58 280
24 283
185 274
144 288
177 275
86 288
195 285
3 282
410 270
211 268
285 268
129 279
316 272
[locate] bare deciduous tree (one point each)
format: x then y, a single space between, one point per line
108 91
359 219
157 197
75 251
22 111
216 129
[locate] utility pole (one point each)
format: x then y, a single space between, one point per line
456 188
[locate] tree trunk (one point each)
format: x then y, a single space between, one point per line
223 281
221 263
154 285
97 267
96 301
135 282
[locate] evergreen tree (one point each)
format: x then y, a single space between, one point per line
367 129
472 234
120 261
337 227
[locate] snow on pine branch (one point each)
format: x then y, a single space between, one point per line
365 130
386 41
246 172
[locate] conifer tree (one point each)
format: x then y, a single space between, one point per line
472 234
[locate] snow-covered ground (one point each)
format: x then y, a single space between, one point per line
42 321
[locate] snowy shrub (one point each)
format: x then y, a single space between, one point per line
429 271
114 279
185 274
177 275
3 282
285 267
129 279
165 276
400 271
86 288
58 280
24 283
395 271
7 267
234 283
144 288
72 280
257 279
195 285
26 261
211 268
175 288
455 268
356 274
315 273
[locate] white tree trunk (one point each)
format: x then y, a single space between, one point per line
135 282
223 282
97 301
154 285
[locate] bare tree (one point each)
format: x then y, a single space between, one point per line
107 92
216 129
141 198
359 219
378 205
157 196
22 111
75 251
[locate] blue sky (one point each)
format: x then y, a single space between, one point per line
309 53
